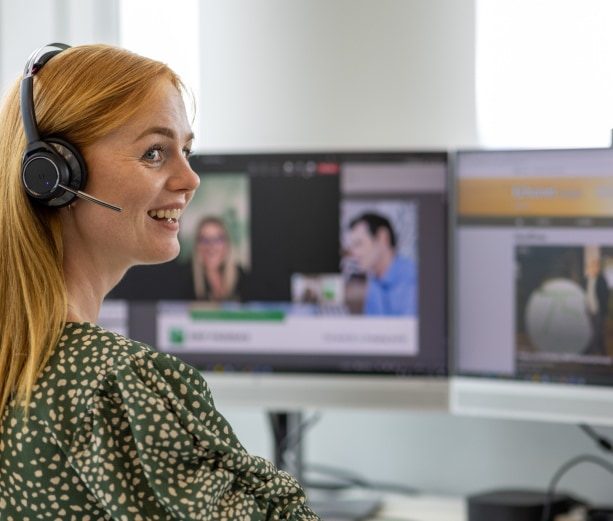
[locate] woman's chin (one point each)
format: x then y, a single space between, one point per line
171 256
164 255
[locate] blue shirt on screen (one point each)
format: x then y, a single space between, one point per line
395 293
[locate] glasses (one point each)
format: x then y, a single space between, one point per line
212 241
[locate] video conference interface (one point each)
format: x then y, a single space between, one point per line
534 254
302 262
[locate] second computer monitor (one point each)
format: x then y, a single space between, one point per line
533 284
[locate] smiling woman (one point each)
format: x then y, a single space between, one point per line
106 426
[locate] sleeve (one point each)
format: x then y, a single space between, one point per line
153 446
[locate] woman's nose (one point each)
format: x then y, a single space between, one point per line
185 179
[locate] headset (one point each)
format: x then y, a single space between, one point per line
53 171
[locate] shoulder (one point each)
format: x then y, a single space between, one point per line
87 348
90 362
116 407
92 352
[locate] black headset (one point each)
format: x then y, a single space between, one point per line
50 165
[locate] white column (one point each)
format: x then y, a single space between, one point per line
280 74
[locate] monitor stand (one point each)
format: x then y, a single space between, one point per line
288 456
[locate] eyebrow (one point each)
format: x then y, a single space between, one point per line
163 131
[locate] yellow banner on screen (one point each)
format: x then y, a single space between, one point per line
537 197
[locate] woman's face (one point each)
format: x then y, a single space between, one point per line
143 168
212 245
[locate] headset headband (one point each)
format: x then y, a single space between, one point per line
34 64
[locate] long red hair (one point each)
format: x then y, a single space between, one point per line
81 94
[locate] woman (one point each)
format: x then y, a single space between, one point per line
94 425
217 277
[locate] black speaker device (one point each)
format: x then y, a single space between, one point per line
517 505
600 514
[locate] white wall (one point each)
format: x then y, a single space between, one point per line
21 33
341 74
26 26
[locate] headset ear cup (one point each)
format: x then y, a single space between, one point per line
41 174
74 159
71 167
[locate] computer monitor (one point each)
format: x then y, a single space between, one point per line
533 320
305 280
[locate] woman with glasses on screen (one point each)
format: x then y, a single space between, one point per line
94 425
217 276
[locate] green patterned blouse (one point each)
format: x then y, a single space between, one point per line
119 431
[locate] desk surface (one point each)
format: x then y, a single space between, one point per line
438 508
422 508
396 507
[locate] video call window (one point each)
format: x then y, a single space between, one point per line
535 265
333 262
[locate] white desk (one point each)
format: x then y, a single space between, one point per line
439 508
396 507
422 508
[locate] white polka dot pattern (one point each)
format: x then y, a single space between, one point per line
119 431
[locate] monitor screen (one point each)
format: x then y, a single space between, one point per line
533 281
312 263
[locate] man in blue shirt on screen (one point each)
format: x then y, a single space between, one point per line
392 279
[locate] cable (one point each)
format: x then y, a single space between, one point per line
585 458
604 443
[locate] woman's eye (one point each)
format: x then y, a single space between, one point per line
153 155
187 152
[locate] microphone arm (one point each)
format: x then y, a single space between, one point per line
90 198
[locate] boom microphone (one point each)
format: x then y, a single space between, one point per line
90 198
